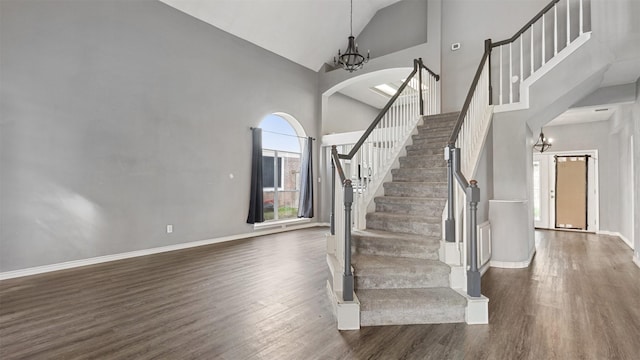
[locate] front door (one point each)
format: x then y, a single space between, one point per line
575 189
571 192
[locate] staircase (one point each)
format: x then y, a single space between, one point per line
398 276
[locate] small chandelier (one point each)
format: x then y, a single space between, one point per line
543 144
351 60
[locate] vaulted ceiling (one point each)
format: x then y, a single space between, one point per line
308 32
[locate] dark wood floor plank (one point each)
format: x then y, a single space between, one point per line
264 298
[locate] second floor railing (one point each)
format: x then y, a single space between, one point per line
539 41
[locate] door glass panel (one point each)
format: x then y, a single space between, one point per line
571 192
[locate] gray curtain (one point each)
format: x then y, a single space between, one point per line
305 207
256 210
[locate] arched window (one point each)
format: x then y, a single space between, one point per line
282 144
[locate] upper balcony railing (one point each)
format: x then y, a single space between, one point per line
547 34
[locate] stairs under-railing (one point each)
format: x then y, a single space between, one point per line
363 170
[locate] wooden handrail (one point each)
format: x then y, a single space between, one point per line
527 25
417 64
421 64
336 160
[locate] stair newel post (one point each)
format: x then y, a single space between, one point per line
347 281
473 274
419 66
450 222
332 221
487 48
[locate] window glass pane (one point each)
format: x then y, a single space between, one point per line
268 172
288 193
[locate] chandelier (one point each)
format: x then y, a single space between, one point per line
351 60
543 144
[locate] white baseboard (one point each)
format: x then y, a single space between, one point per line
107 258
485 267
513 264
615 233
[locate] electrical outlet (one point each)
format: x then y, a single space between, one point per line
169 229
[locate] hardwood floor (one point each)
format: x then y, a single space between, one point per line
264 298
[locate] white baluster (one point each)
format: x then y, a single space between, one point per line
568 22
581 27
510 74
385 140
500 76
532 67
396 134
544 60
521 60
555 29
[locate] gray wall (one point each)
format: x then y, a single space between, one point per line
470 22
396 27
511 153
118 118
344 114
622 130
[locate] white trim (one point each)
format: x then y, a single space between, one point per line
554 61
514 264
636 259
107 258
596 186
347 313
477 309
540 72
483 269
342 138
280 223
615 233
